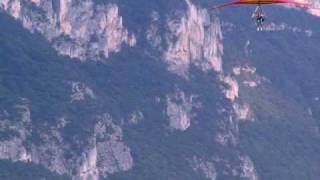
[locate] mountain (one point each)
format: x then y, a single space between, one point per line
161 90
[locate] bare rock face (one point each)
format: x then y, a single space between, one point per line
107 154
12 147
78 29
205 167
232 91
115 155
248 169
136 117
153 35
80 91
198 42
103 153
180 110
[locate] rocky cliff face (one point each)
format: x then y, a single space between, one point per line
198 42
79 29
101 154
190 99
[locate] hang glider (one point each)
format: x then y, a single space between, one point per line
261 2
258 14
